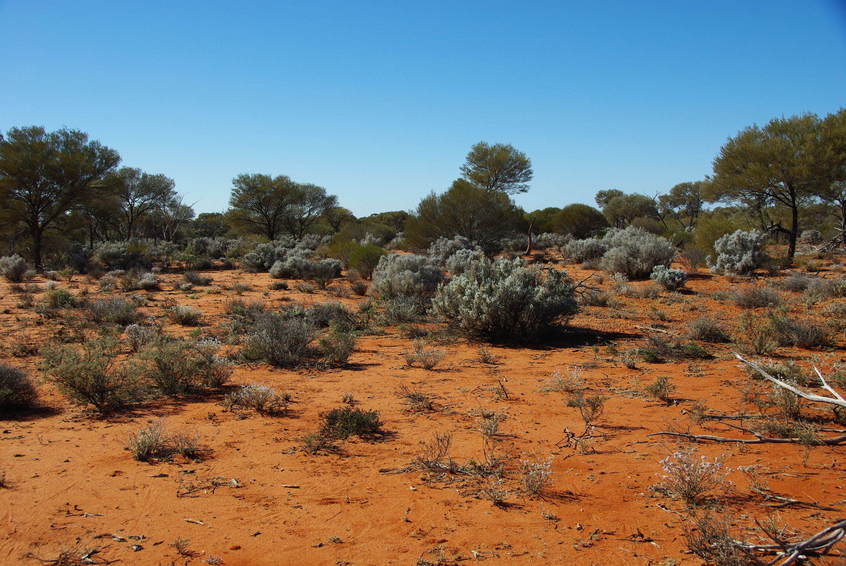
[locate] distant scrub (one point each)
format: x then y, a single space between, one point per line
506 300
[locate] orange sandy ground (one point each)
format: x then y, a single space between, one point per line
73 484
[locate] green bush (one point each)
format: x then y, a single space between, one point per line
364 259
90 377
344 422
14 268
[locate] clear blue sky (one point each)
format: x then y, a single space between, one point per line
380 101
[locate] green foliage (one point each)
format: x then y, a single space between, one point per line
498 167
89 376
579 220
344 422
45 175
464 210
364 259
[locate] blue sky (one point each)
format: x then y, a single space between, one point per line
380 101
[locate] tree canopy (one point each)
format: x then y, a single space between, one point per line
44 175
498 167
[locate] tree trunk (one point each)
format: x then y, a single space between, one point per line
794 232
37 247
843 221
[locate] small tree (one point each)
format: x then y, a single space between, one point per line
498 167
44 175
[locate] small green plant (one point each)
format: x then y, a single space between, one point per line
417 401
344 422
661 389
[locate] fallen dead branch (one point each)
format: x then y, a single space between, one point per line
837 400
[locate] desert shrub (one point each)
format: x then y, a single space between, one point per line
756 297
359 287
14 268
299 267
139 336
690 476
708 330
59 299
262 399
399 310
458 262
597 298
304 287
427 358
365 258
505 299
548 240
754 336
336 348
406 275
635 252
796 332
344 422
16 388
796 282
176 366
323 315
669 279
535 476
90 377
443 248
148 282
152 443
584 250
264 255
739 253
661 389
185 315
279 340
124 255
713 542
196 279
115 311
819 289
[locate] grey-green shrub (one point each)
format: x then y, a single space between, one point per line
406 275
115 310
635 252
739 253
16 388
279 340
175 367
460 260
14 268
505 299
547 240
584 250
669 279
443 248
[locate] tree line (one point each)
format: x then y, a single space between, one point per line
61 189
